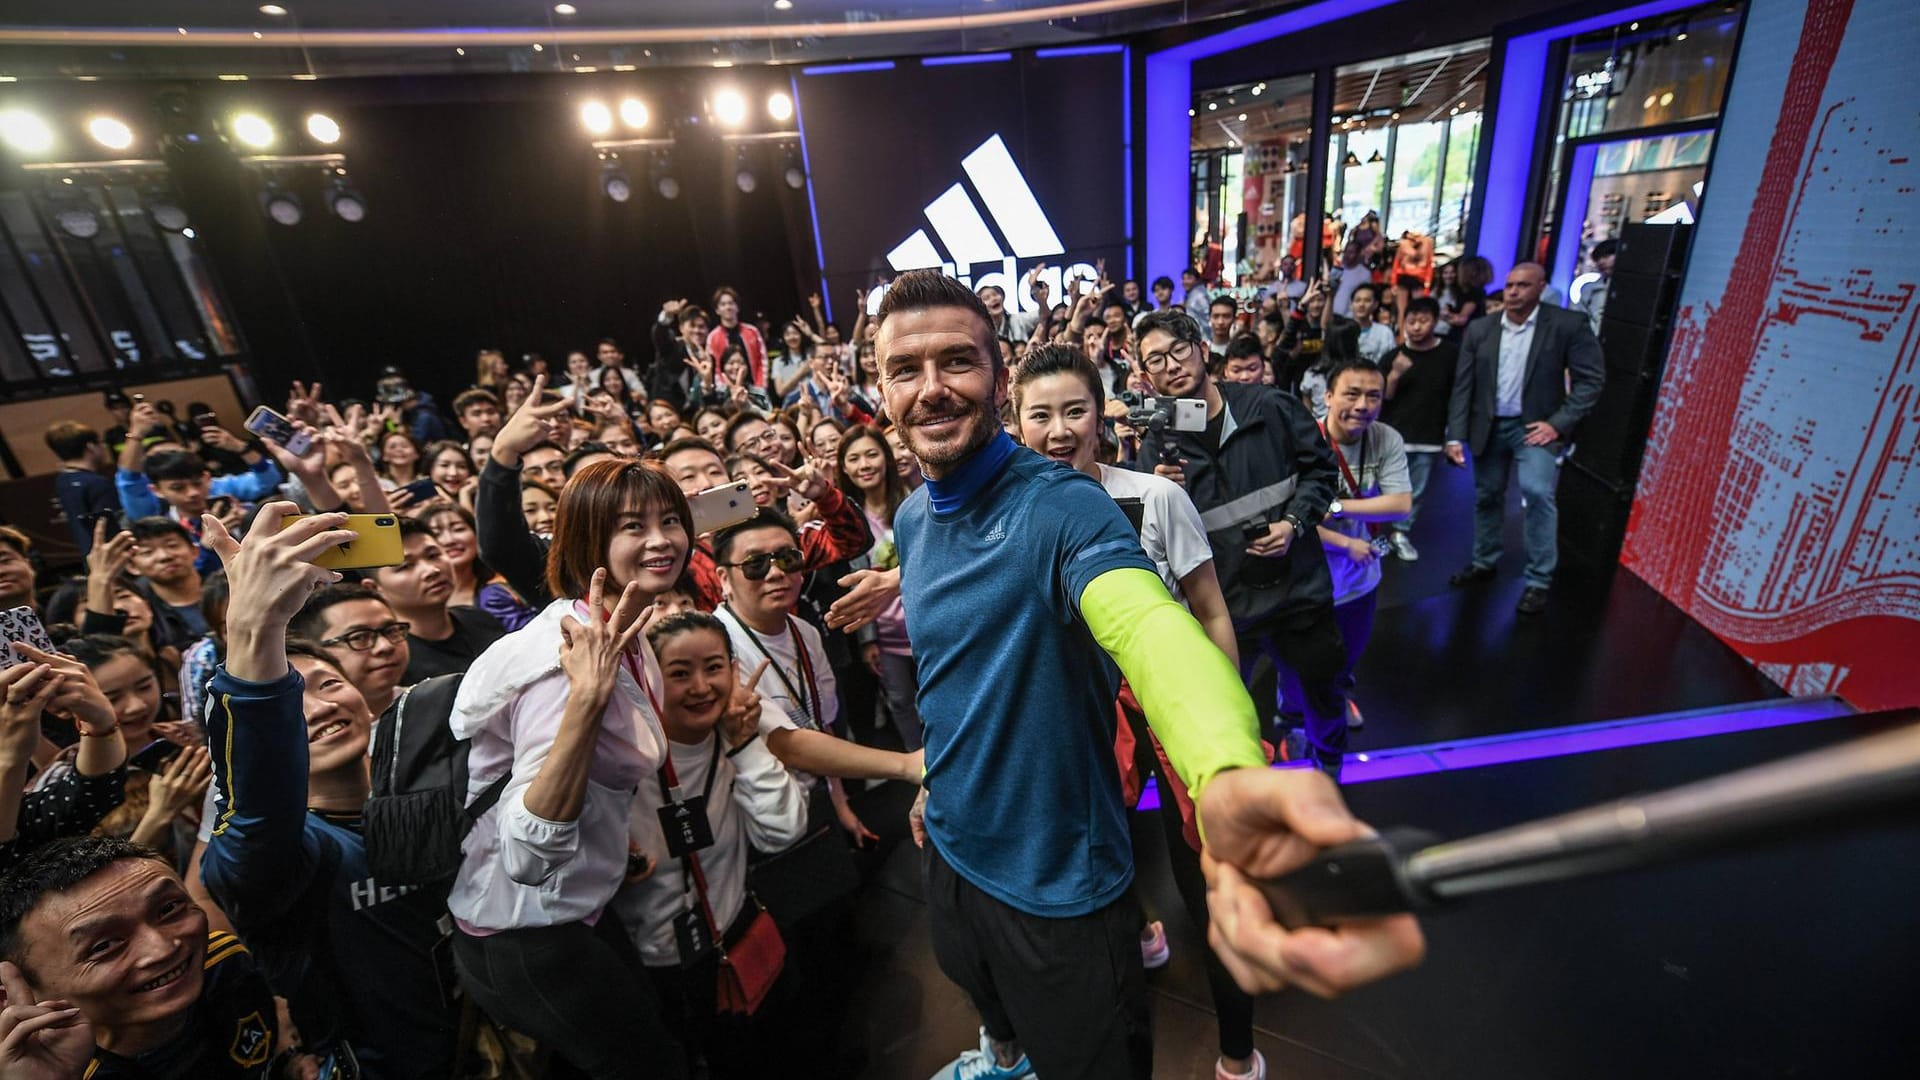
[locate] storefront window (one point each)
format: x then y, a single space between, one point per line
1249 166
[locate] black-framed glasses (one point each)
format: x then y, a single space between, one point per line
756 567
363 640
1178 351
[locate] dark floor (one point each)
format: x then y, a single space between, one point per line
1790 962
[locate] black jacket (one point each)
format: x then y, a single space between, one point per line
1563 350
507 546
1273 464
668 378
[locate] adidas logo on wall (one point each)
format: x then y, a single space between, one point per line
964 233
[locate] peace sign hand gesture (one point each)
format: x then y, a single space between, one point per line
590 652
741 720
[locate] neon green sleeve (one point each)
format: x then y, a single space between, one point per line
1188 688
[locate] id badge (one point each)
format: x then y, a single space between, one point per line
685 826
691 934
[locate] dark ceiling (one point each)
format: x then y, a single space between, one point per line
65 39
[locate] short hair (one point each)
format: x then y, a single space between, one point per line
590 506
1244 345
604 341
1342 367
682 445
764 518
689 313
1189 272
1112 302
997 291
96 649
1365 286
1423 305
585 450
1061 360
312 650
68 439
473 395
687 622
54 868
917 290
1275 320
725 290
534 483
747 416
17 540
545 444
158 528
175 465
415 526
1604 248
1174 321
311 620
1163 282
1223 301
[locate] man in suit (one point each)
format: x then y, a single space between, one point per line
1524 380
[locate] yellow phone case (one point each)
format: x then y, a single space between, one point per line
378 543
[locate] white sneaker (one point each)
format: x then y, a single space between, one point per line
1259 1071
1154 950
1403 546
982 1065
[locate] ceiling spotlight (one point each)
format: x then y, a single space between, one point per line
272 9
1243 118
633 112
1351 161
730 108
663 178
1633 26
1666 99
253 129
596 117
25 132
323 128
613 181
167 215
79 222
780 106
1213 106
795 172
537 47
282 206
110 132
1681 36
1375 158
345 203
1189 112
564 9
1256 90
188 233
782 5
743 177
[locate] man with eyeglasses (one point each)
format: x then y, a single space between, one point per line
440 639
361 631
1263 479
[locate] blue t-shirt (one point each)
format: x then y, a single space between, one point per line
1024 797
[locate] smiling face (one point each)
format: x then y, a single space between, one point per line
697 674
455 537
696 469
609 353
134 607
941 378
727 307
126 946
768 601
618 437
866 464
451 468
1058 418
16 576
339 723
649 545
134 692
662 416
826 440
1177 367
757 480
397 449
423 580
1353 402
377 671
536 505
904 462
711 426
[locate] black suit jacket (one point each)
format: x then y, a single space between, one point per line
1564 351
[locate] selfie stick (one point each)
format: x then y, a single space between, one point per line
1406 870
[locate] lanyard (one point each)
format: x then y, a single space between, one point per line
805 665
690 873
1346 472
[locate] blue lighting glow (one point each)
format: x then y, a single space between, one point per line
1516 126
1169 135
1573 216
842 69
1078 50
965 58
813 212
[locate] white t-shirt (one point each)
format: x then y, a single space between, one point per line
753 800
1376 343
1379 461
1170 528
780 649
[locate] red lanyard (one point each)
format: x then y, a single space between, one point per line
1353 485
805 665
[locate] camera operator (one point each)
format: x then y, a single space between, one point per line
1262 477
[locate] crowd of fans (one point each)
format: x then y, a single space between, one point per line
205 790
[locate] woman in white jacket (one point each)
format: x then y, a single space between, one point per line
748 797
567 706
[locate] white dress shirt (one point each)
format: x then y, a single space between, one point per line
1515 342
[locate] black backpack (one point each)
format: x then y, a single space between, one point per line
418 813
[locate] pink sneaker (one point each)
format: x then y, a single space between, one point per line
1258 1072
1154 950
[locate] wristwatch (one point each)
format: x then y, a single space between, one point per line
1334 508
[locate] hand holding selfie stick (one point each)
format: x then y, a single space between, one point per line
1406 870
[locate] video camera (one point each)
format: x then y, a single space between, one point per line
1161 418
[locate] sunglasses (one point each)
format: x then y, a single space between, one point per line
756 567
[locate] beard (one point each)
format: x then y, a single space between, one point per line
937 455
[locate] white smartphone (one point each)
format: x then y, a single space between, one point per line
718 507
269 424
22 625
